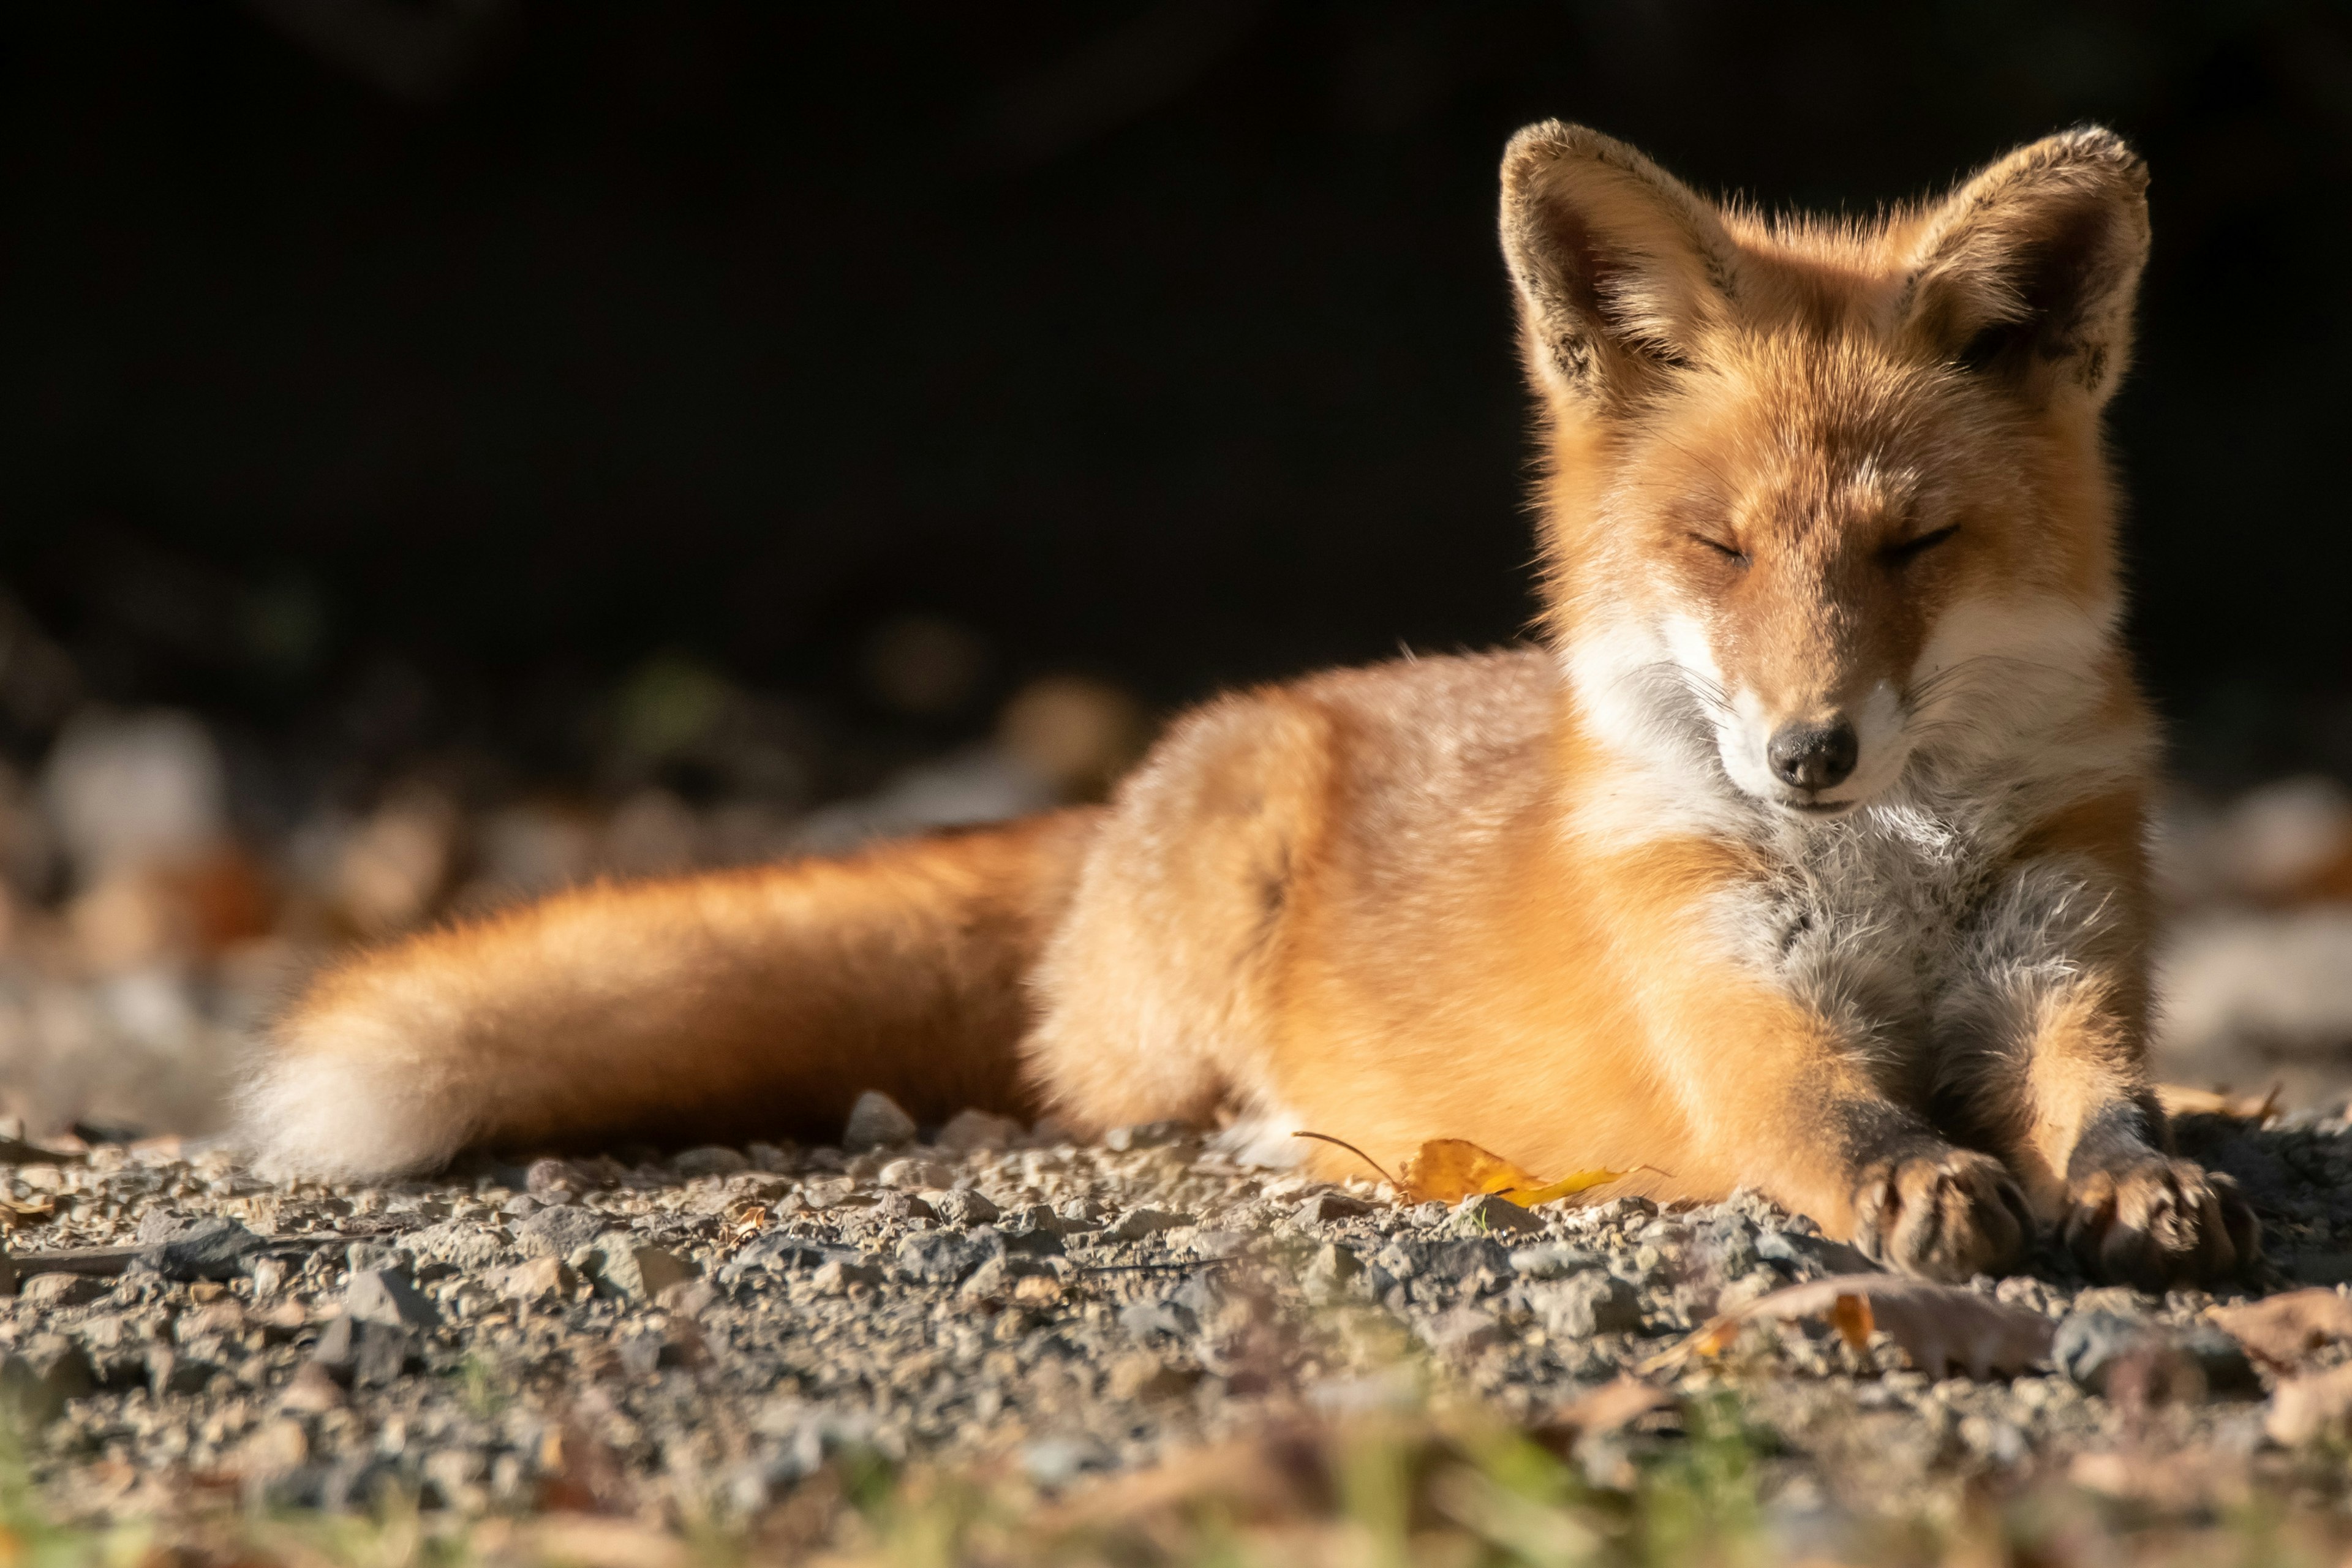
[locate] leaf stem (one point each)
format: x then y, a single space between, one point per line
1359 1154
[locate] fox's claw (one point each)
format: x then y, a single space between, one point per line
1947 1214
2157 1222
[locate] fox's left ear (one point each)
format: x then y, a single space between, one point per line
2028 271
1619 266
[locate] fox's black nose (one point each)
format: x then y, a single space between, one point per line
1814 756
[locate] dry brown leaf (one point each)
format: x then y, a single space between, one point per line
2283 1330
2179 1099
744 1218
1938 1326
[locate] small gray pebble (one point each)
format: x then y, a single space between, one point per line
876 1121
1324 1208
365 1255
379 1295
210 1248
1811 1256
1553 1262
1137 1224
553 1181
1461 1330
1498 1216
1588 1304
941 1257
559 1230
1153 1322
965 1206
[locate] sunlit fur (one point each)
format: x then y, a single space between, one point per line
723 1007
1553 901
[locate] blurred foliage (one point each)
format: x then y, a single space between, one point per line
1398 1492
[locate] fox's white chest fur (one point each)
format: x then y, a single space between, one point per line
1915 929
1909 923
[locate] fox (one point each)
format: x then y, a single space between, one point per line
1801 846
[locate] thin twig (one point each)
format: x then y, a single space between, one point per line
1359 1154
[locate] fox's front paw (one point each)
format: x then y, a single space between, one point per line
1946 1214
2155 1222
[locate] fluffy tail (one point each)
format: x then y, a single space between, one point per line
755 1004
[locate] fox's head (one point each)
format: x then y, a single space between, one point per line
1829 495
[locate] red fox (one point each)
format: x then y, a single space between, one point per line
1804 853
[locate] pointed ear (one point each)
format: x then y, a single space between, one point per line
1616 263
2028 271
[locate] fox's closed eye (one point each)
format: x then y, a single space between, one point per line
1729 552
1911 549
1982 351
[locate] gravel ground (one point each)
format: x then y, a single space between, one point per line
688 1338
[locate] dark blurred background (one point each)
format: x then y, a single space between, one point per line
449 448
497 347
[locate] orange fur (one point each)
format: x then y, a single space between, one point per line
1619 902
743 1005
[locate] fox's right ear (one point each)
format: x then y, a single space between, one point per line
2027 271
1617 264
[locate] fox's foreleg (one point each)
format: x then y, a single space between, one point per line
2043 1053
1789 1092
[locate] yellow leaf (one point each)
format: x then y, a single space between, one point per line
1448 1170
1567 1186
